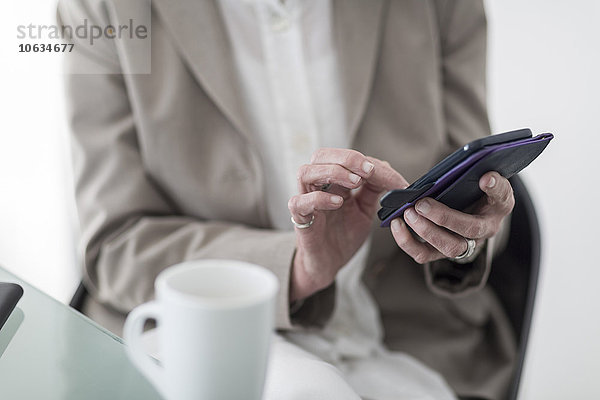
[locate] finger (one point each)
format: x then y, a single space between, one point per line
384 177
420 252
465 225
350 159
340 191
447 243
313 177
303 206
499 193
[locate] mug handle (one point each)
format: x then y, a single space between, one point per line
132 332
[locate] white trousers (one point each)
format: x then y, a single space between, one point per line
346 360
296 374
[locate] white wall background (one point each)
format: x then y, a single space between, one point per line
36 201
544 74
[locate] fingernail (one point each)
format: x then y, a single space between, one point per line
354 178
410 215
396 225
336 199
491 183
367 167
423 207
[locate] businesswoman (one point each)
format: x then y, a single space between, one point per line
248 118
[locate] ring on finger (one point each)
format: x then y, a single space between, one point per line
325 187
471 244
305 225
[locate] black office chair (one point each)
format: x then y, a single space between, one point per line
79 297
515 273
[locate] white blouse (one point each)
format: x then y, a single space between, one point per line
287 66
288 72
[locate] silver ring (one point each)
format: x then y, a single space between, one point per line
303 226
471 244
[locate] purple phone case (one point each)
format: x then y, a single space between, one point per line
445 183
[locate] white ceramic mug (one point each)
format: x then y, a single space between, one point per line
215 320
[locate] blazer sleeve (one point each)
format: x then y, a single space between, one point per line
130 231
463 38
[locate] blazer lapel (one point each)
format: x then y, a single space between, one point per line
199 33
357 30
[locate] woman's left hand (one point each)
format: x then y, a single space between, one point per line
445 230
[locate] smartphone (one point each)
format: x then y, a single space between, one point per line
454 181
461 154
395 198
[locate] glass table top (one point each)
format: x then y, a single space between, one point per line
50 351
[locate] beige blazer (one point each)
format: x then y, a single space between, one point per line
167 168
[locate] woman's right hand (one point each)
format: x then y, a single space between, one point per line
343 213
